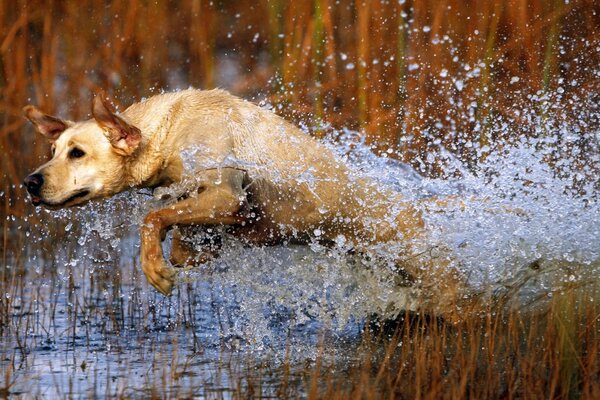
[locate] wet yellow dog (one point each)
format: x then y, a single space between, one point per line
252 171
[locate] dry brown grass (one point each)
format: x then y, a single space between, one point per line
54 53
552 355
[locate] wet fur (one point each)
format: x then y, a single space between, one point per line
284 184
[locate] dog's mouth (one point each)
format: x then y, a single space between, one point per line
36 200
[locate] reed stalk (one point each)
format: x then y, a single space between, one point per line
483 107
362 59
318 59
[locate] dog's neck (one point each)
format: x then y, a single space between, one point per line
153 164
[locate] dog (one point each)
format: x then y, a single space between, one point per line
260 176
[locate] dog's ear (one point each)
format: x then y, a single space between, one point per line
50 127
124 138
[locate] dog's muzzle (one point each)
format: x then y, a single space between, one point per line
34 183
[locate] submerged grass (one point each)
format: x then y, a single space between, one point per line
550 355
93 331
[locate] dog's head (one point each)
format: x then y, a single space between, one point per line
88 158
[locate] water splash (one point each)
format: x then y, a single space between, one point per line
521 223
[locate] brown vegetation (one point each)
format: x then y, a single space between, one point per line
553 354
550 356
387 67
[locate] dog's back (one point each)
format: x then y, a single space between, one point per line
296 180
226 126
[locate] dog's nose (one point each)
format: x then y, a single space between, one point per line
33 183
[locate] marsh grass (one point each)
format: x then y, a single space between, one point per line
396 70
100 327
511 355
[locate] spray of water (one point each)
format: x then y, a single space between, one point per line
519 224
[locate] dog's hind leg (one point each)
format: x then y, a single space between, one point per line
184 253
219 201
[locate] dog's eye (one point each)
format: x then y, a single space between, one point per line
76 153
53 150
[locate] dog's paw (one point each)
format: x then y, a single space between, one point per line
159 275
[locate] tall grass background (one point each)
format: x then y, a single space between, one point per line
404 72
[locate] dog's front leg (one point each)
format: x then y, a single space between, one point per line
218 203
